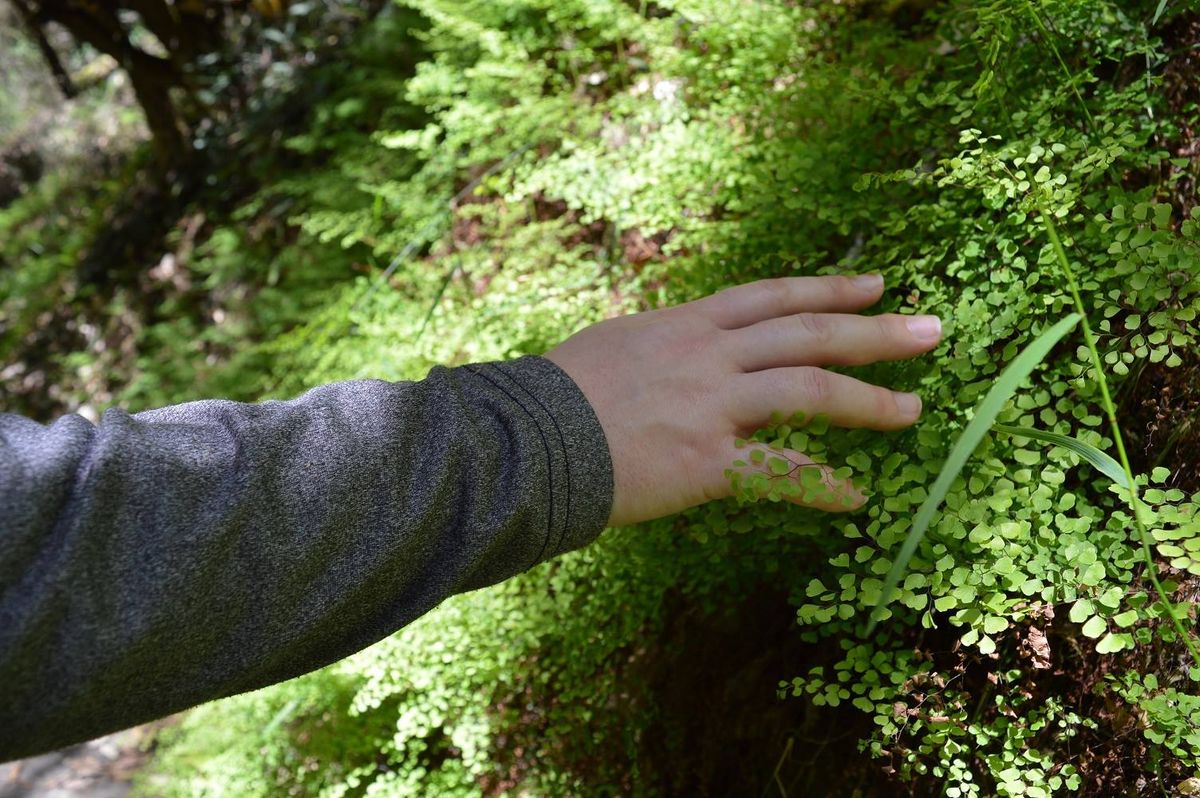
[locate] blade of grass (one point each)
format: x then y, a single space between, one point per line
1162 6
1099 460
985 415
437 298
1110 409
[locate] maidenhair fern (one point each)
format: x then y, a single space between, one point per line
685 145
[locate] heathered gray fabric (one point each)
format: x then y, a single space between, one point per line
163 559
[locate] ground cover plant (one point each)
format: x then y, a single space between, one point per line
482 178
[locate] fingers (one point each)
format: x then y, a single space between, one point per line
848 402
768 473
819 339
748 304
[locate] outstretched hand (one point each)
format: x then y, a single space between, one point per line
674 388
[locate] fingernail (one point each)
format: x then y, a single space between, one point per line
909 404
925 328
868 282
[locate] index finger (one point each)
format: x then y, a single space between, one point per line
751 303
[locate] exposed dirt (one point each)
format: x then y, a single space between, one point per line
1164 407
1114 758
1181 90
708 683
1162 417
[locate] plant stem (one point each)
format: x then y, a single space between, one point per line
1047 37
1110 410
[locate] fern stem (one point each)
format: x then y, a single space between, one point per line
1135 502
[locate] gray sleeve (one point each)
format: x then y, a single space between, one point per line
159 560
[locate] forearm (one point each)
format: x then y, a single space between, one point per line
164 559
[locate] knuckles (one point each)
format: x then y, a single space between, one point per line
817 328
777 294
692 344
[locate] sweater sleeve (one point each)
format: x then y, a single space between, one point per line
159 560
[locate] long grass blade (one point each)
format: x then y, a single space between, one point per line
1162 6
1099 460
1110 409
985 415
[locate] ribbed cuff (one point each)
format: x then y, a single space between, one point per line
580 463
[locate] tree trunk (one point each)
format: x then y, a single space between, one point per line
152 77
61 76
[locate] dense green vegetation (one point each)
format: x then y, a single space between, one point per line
524 167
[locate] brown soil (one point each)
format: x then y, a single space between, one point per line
1162 417
721 727
707 682
1114 758
1162 404
1181 90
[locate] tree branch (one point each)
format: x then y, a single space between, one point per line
38 34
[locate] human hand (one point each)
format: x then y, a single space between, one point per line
674 388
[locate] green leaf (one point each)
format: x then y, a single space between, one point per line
944 603
1095 626
985 415
1099 460
1126 619
994 624
1081 610
1111 598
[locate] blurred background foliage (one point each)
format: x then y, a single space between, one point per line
313 191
